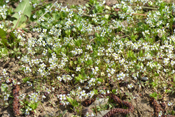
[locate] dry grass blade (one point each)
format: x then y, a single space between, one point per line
157 108
113 111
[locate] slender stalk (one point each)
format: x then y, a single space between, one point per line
145 7
47 12
19 18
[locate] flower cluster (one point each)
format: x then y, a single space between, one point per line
86 47
63 99
3 11
34 97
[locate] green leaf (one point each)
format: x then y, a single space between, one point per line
23 25
92 1
21 20
2 34
49 51
2 2
141 53
78 43
80 77
133 37
174 78
72 101
33 105
154 95
25 79
99 79
89 62
4 42
3 88
25 9
156 74
3 52
131 55
95 91
57 50
87 5
71 63
3 39
114 91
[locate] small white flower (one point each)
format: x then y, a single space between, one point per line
1 26
80 97
92 114
67 103
29 83
83 93
4 72
20 12
53 88
173 71
7 1
34 97
8 80
108 91
112 71
170 103
78 68
82 81
59 78
5 98
34 5
121 76
130 86
63 103
102 74
28 111
87 114
160 114
22 96
34 16
79 88
166 61
43 96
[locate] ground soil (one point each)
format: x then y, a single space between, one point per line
141 103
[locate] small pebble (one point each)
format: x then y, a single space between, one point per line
144 78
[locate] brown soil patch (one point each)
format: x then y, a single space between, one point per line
50 106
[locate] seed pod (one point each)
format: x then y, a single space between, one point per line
16 110
113 111
120 110
157 107
88 102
